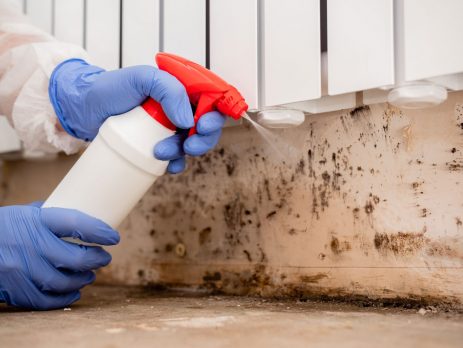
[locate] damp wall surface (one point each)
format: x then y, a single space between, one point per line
366 202
362 202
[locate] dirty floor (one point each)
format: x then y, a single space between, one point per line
135 317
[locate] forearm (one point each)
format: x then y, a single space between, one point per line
27 59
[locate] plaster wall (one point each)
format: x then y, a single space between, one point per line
360 202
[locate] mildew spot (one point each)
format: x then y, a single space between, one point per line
248 255
313 278
339 247
212 277
363 110
401 243
205 235
369 208
272 213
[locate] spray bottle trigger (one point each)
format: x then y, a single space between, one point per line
206 104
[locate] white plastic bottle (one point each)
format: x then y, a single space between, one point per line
117 168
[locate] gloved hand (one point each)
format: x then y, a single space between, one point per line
84 96
38 269
174 148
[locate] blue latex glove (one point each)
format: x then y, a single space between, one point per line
38 269
84 96
174 148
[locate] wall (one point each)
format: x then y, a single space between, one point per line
361 202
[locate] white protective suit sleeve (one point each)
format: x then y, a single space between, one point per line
28 56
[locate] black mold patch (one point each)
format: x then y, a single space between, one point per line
272 213
401 243
300 169
212 277
360 111
339 247
313 278
205 235
369 208
454 166
232 214
248 255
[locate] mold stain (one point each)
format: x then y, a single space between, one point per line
313 278
232 214
300 169
252 281
248 255
360 111
369 208
271 214
315 212
212 277
454 166
205 235
267 189
231 163
437 248
322 172
401 243
310 163
338 247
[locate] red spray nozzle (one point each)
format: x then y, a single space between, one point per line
206 90
232 103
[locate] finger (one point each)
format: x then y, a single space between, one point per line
74 257
27 295
198 145
170 148
56 301
36 204
176 166
139 82
61 281
172 95
210 123
73 223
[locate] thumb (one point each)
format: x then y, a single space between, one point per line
73 223
129 87
172 96
36 204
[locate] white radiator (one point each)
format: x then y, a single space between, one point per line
271 49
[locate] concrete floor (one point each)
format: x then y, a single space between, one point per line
133 317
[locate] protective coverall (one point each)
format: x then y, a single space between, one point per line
57 101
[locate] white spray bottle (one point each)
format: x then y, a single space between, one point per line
118 167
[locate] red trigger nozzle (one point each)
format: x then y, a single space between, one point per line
232 103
